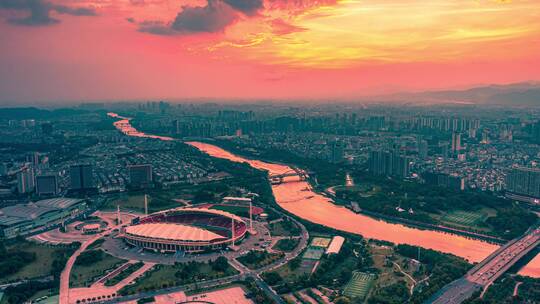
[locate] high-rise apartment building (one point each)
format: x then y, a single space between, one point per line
337 152
456 142
47 185
140 176
3 169
388 163
25 180
81 177
452 181
524 181
423 149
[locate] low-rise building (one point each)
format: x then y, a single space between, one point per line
24 218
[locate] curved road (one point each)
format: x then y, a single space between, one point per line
64 277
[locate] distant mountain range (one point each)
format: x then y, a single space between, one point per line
519 94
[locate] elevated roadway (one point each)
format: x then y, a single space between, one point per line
486 272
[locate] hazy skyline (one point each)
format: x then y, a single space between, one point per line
61 50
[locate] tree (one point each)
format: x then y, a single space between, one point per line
220 264
294 264
272 278
342 300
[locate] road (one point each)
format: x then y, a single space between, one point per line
64 277
486 272
67 294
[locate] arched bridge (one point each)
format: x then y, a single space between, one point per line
279 178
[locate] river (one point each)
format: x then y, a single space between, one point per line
298 198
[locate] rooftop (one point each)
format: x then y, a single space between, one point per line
171 231
13 215
335 245
203 210
59 202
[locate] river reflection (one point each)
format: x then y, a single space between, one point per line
297 197
532 269
125 127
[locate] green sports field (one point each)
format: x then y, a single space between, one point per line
359 285
313 253
465 218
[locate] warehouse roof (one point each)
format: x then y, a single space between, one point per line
59 202
17 214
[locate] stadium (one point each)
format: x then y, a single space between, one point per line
189 230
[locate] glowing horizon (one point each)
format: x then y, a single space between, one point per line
103 50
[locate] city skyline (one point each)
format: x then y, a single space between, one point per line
60 51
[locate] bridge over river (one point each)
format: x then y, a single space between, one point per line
481 276
277 179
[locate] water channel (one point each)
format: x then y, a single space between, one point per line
298 198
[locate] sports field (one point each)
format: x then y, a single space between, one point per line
242 211
313 253
465 218
320 242
359 285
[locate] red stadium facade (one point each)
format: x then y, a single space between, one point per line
186 229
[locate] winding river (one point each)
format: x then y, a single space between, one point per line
298 198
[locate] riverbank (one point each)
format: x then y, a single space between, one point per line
421 225
299 200
475 213
380 216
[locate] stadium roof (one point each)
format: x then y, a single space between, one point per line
172 231
203 210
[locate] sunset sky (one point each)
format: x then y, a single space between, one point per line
85 50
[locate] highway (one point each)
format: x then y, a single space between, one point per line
486 272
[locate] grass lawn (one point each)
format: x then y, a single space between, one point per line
130 202
286 245
124 274
313 253
96 244
175 275
284 228
465 218
359 285
51 295
41 266
290 274
135 202
387 272
363 190
256 259
85 275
